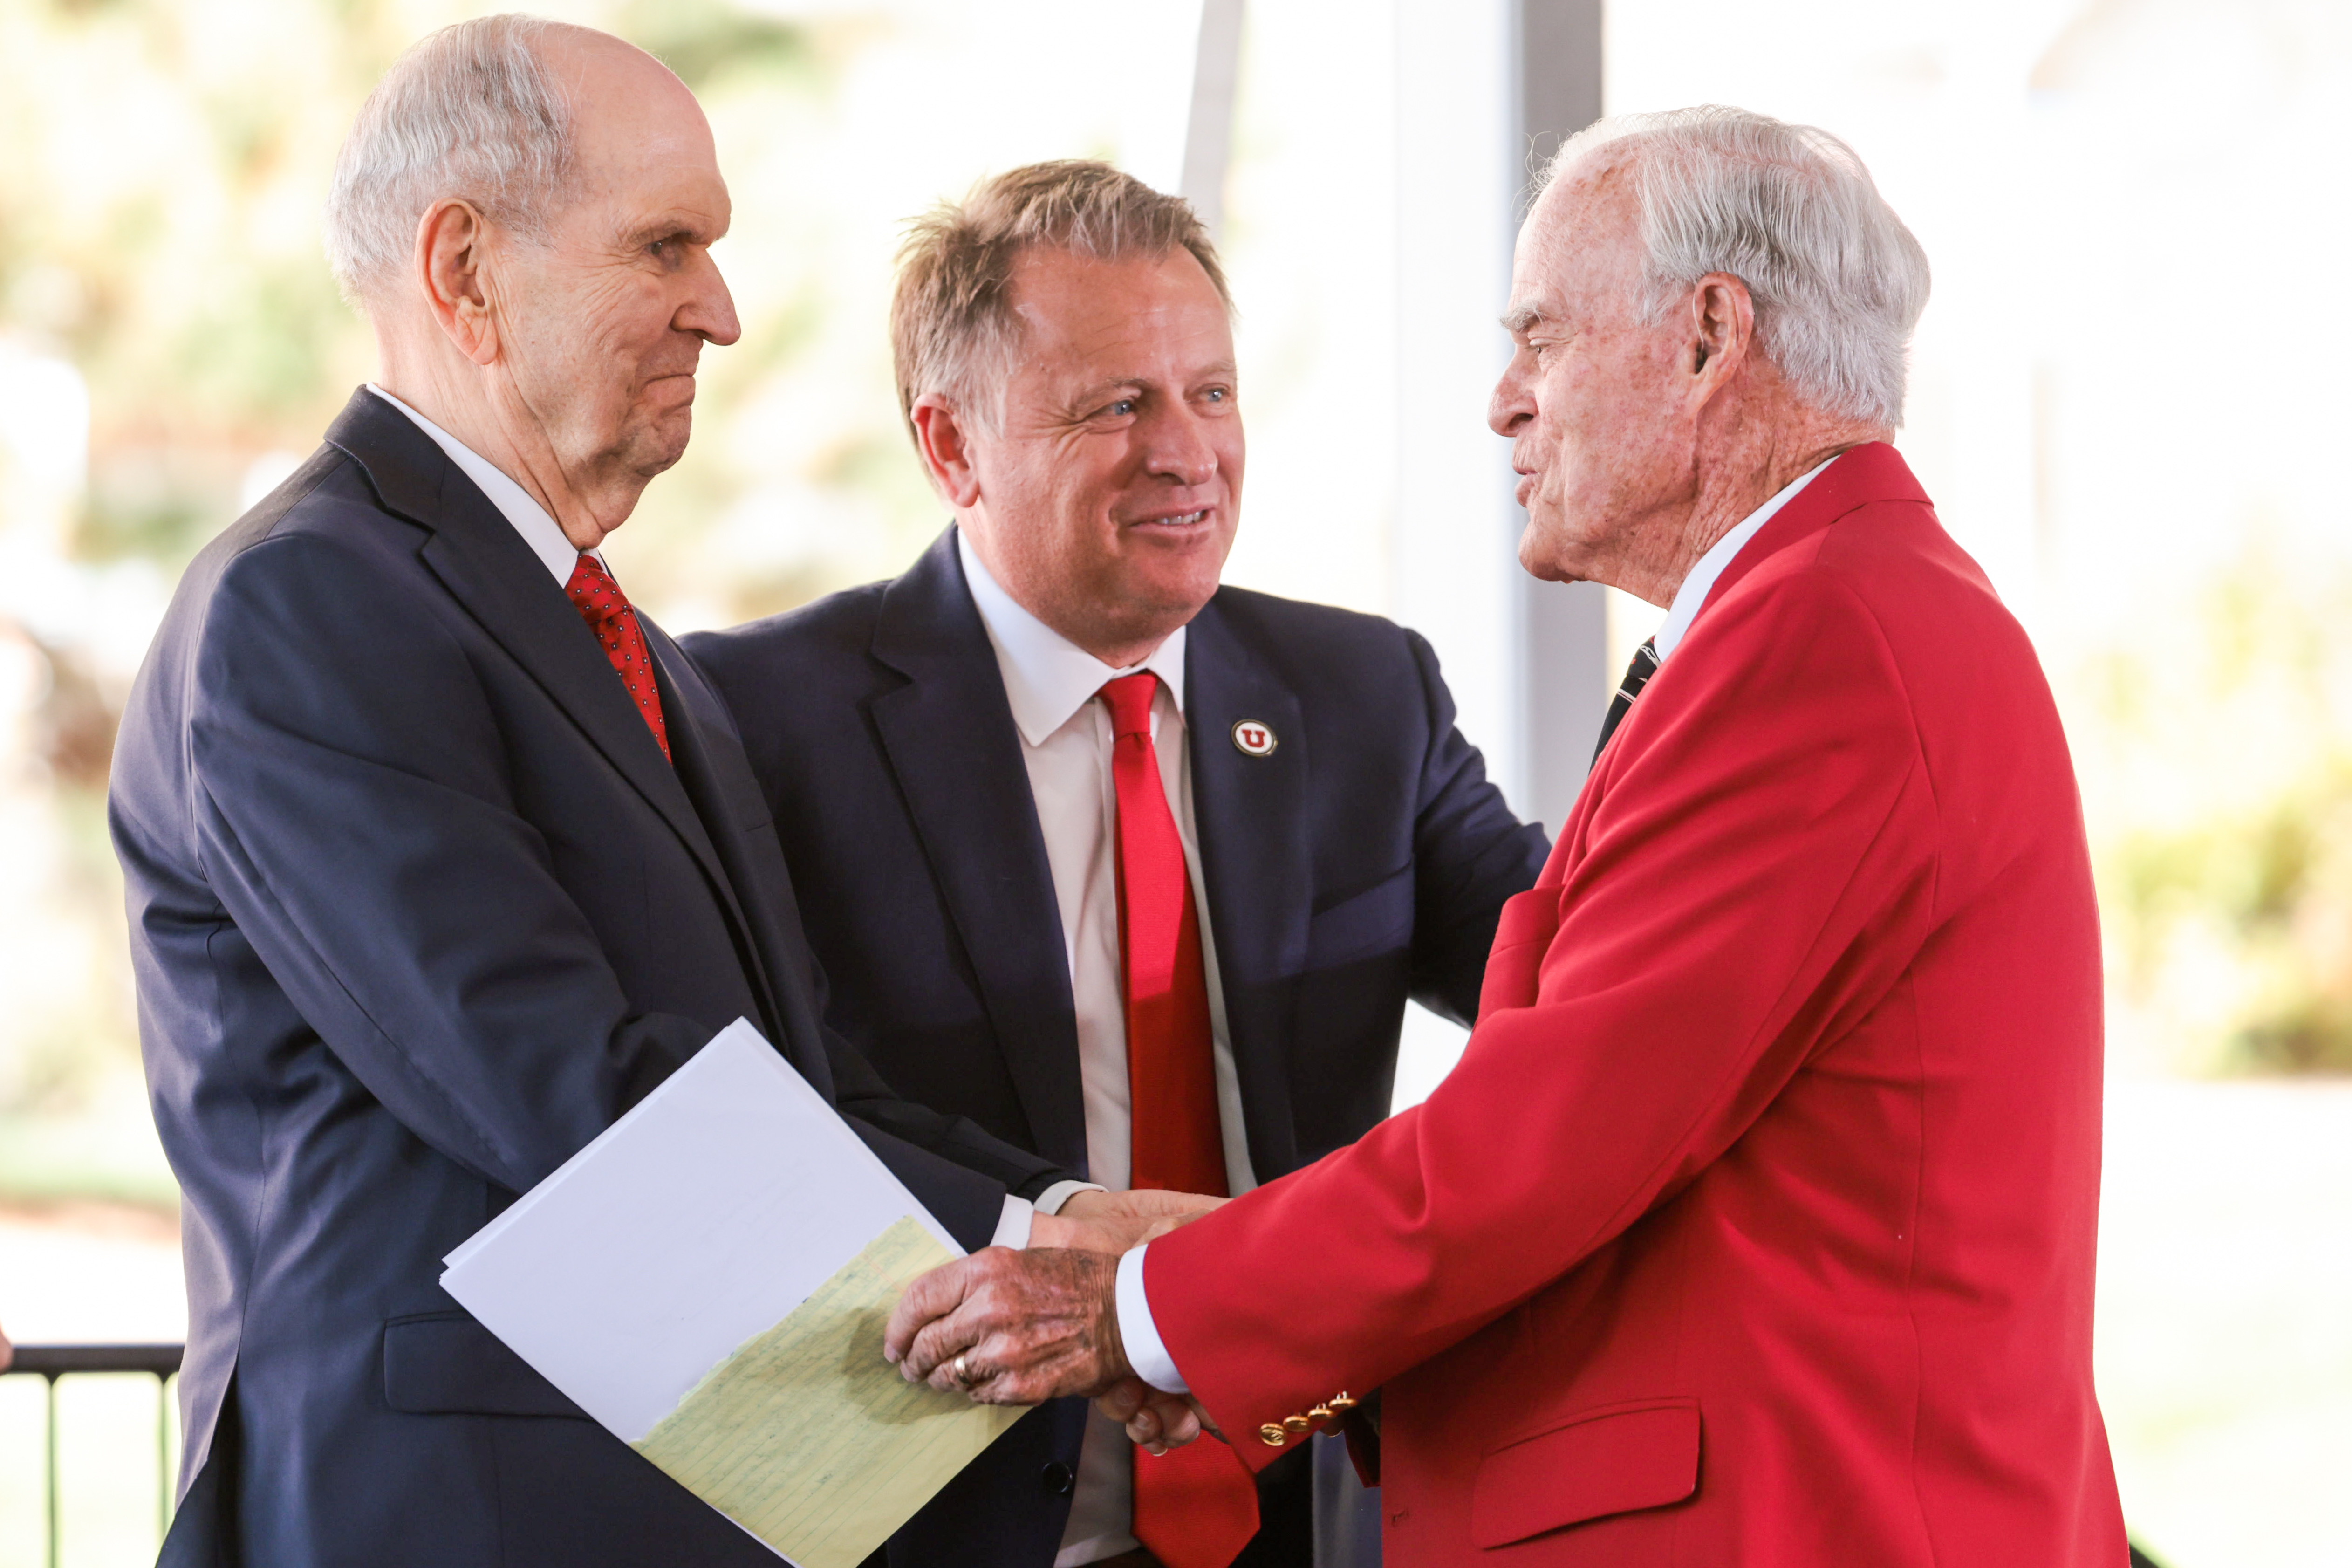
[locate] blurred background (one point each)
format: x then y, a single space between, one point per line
2124 401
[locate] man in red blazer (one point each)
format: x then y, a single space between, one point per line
1756 1224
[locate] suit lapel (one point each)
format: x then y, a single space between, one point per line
487 568
717 780
1250 812
950 740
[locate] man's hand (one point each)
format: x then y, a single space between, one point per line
1153 1418
1117 1222
1013 1328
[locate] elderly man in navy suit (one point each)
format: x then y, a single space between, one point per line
1135 871
439 855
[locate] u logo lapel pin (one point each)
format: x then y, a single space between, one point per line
1253 739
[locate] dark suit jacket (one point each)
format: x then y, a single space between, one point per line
417 910
1364 861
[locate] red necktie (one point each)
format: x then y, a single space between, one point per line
1195 1507
606 610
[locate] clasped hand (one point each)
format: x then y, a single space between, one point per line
1021 1327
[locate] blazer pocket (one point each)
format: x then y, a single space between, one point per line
445 1364
1362 925
1614 1459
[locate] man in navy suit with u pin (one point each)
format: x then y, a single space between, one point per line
1134 872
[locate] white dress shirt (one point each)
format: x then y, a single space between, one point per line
1051 684
1700 582
560 556
1146 1351
540 532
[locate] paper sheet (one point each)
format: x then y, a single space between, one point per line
806 1439
693 1228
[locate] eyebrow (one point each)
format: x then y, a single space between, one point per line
1519 317
1223 369
670 225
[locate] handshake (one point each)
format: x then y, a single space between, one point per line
1021 1327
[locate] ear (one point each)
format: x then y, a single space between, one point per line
1722 332
946 447
451 262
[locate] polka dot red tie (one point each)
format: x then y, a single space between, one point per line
606 610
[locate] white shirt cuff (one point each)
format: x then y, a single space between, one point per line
1051 1200
1012 1224
1139 1334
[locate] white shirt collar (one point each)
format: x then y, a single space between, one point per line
1048 678
1692 594
539 530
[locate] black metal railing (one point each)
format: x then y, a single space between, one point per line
51 1362
162 1361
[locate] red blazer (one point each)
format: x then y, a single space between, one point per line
1756 1224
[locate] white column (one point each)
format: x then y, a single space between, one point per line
1457 530
1484 87
1564 654
1208 128
1457 574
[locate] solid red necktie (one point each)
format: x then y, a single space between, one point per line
1195 1507
606 610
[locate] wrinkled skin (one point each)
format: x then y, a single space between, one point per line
1117 1222
1639 443
568 360
1029 1326
1104 493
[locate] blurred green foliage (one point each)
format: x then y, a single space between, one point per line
159 230
2240 914
703 40
158 220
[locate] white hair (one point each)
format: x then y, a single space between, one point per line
1838 282
471 112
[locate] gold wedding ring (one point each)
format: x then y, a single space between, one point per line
963 1374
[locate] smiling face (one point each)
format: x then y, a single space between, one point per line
604 323
1105 502
1598 403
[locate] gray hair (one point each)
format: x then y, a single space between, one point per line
471 112
1838 282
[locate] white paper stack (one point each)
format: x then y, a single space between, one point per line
718 1204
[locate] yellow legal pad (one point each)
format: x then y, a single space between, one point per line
806 1437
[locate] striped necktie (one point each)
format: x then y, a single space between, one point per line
1637 676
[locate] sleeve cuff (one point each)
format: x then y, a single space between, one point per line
1012 1224
1138 1334
1051 1200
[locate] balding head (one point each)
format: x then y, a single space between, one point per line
526 209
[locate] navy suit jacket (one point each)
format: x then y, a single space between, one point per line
1364 861
417 908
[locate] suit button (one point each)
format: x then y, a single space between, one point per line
1272 1434
1297 1422
1057 1480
